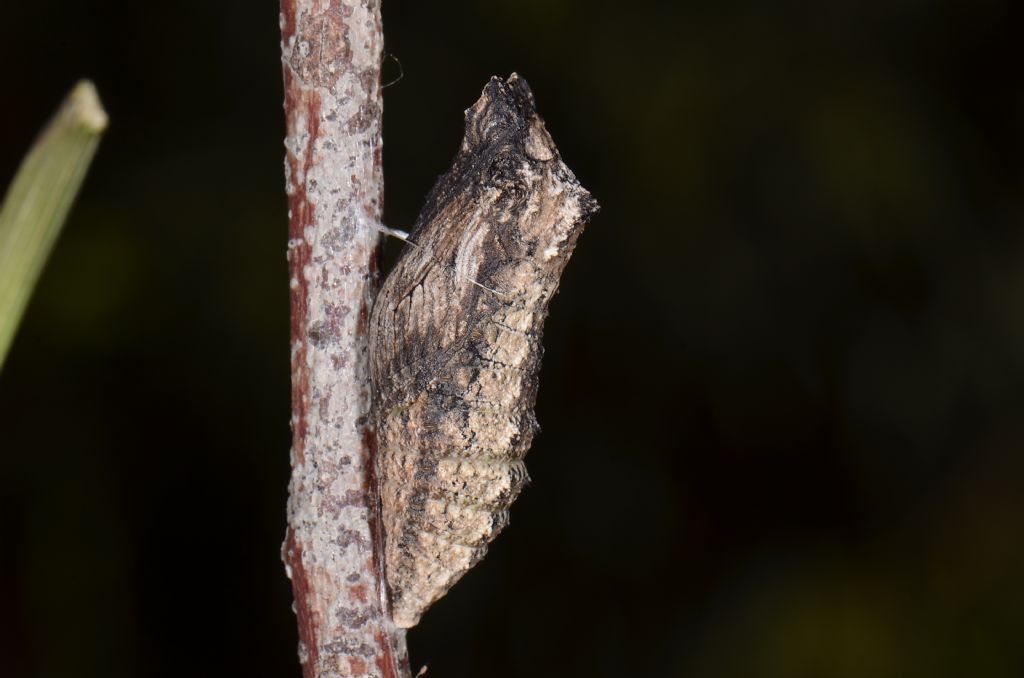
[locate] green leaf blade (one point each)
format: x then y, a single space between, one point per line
39 199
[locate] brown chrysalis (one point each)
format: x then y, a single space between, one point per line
455 344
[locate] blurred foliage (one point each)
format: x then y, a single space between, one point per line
38 200
783 382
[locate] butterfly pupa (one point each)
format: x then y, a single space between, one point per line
455 344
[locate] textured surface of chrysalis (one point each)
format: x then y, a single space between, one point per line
455 342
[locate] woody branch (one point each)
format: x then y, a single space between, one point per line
331 52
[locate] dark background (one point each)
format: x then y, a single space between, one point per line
782 394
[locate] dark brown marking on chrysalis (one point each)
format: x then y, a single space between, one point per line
455 344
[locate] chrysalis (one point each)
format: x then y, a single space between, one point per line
455 344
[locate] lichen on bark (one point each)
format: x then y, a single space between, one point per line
331 55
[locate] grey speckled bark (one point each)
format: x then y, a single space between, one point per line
455 344
331 56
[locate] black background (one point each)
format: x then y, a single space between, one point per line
781 399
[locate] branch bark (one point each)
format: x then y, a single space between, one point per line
331 52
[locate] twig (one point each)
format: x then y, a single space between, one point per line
332 57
